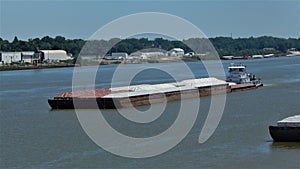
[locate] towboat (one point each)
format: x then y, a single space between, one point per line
287 130
240 78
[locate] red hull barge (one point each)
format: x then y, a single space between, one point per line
137 95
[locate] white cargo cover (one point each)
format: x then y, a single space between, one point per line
293 121
146 89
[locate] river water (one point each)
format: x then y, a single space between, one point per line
34 136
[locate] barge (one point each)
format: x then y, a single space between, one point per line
137 95
287 130
146 94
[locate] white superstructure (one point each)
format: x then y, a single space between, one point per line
238 74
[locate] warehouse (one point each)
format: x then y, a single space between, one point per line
176 52
55 55
10 57
27 57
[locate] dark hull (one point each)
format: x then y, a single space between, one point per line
285 134
100 103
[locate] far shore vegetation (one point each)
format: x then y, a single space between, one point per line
225 46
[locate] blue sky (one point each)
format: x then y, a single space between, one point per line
80 19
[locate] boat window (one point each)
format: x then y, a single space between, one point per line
233 69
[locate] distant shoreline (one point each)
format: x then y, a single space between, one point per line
32 67
49 66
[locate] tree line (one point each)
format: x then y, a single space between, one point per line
223 45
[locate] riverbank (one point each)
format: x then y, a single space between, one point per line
114 62
93 62
39 66
245 57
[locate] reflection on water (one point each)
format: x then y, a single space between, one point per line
285 145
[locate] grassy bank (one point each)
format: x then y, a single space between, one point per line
38 66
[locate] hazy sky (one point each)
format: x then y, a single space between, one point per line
80 19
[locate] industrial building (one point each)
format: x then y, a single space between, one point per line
28 57
176 52
147 55
10 57
34 56
55 55
117 56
